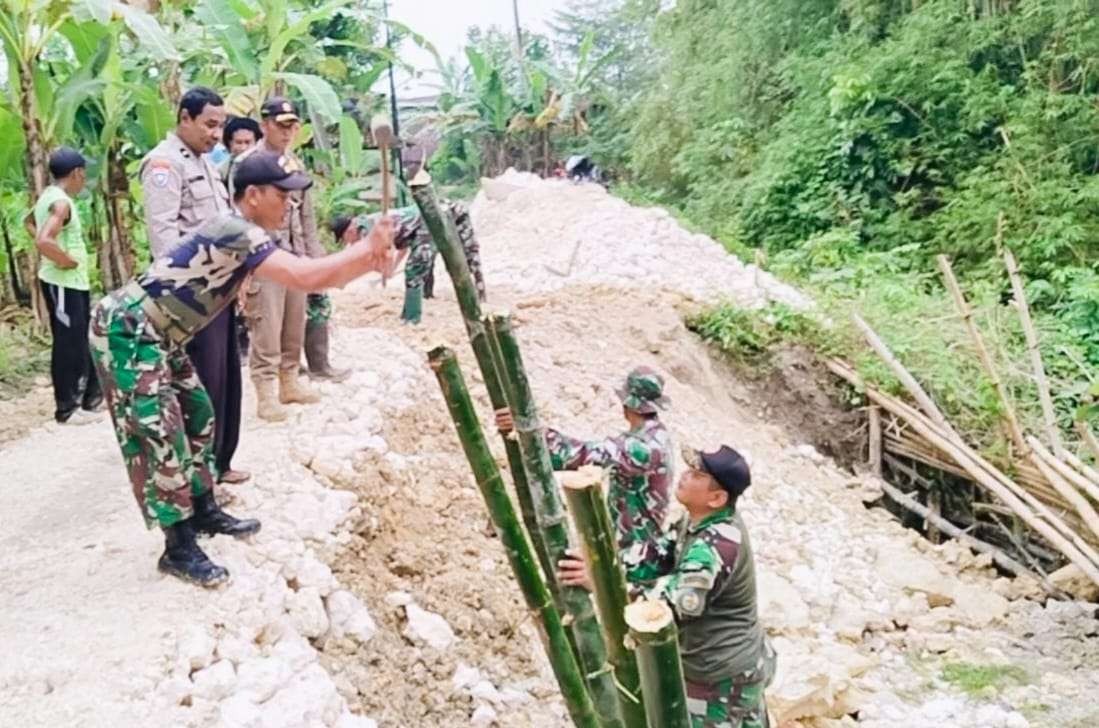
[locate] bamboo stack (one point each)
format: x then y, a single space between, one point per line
596 669
520 554
1053 492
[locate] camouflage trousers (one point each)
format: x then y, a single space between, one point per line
464 225
421 261
318 309
736 702
727 704
163 418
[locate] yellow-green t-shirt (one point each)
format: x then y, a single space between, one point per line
71 240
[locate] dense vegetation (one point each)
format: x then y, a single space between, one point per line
854 140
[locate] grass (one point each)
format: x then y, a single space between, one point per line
23 356
981 680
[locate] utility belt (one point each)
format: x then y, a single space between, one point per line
165 325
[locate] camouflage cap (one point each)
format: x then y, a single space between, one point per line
643 391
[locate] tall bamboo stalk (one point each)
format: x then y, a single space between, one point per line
652 629
446 240
1052 433
1014 429
551 519
588 506
527 507
518 549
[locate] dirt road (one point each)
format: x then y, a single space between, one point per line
371 522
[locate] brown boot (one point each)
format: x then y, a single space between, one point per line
316 354
291 390
267 404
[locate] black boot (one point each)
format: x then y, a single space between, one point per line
210 519
183 558
316 354
429 280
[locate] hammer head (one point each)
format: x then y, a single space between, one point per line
381 128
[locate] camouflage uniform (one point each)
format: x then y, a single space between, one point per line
419 267
162 415
727 662
641 472
318 310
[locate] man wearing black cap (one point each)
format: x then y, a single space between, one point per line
276 314
163 417
63 274
711 588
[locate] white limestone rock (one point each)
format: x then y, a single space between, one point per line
196 646
349 617
428 627
306 610
215 682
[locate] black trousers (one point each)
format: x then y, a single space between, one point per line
75 383
215 352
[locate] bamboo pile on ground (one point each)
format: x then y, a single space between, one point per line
1074 483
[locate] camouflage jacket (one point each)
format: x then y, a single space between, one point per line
200 276
408 225
712 590
640 464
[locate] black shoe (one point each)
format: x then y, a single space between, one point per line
93 404
210 519
183 559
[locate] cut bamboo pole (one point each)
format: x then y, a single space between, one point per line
874 454
999 558
519 552
523 495
1072 477
652 629
586 632
1089 439
587 504
1010 419
986 475
923 399
1039 369
1085 470
446 240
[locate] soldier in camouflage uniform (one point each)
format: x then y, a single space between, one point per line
641 471
162 415
414 241
711 587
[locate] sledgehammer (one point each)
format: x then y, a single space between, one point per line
381 128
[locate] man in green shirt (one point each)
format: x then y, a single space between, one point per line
63 275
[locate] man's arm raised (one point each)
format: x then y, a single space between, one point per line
331 271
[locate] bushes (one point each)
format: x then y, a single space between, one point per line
855 140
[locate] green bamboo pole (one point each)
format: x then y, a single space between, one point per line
518 549
586 631
446 240
584 493
652 630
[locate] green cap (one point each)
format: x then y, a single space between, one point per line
643 391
